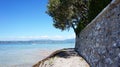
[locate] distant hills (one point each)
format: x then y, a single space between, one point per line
39 41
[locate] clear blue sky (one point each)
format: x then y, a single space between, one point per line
26 19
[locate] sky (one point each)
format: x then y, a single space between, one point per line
26 20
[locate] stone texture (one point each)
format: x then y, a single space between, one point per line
99 42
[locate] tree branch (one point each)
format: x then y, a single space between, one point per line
73 27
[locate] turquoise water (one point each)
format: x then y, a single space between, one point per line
7 47
15 54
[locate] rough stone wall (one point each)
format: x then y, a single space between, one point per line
99 42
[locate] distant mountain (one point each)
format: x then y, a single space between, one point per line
70 40
39 42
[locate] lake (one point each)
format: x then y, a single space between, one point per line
23 54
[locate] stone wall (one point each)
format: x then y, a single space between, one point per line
99 42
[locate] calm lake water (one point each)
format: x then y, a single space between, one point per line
16 54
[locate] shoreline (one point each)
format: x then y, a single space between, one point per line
66 57
32 58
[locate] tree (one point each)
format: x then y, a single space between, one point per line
95 7
68 14
74 14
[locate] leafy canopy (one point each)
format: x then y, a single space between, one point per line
67 13
95 7
74 14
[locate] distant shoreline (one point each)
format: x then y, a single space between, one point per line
39 42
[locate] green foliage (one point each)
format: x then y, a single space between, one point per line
74 14
95 7
67 13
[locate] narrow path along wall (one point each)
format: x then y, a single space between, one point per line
63 58
99 42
